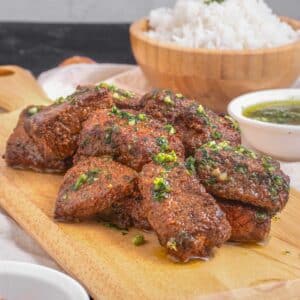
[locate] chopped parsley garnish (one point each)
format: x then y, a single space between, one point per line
261 216
221 176
180 96
163 143
244 151
216 135
138 240
234 124
170 129
92 175
142 117
172 244
267 164
117 93
211 180
131 118
190 164
241 168
88 177
168 100
33 110
217 146
60 100
65 197
81 180
163 158
206 161
161 188
200 111
108 86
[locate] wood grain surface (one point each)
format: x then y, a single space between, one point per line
214 77
111 267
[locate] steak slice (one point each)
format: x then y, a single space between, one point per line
92 186
22 152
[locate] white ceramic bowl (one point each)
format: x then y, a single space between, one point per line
277 140
19 281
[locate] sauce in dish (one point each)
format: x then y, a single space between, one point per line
279 112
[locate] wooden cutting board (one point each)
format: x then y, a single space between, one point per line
111 267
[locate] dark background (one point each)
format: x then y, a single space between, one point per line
39 47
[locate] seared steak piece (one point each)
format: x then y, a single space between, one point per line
127 212
248 223
196 124
92 186
186 219
23 153
129 137
55 129
237 173
123 99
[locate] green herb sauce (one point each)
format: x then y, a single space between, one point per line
278 112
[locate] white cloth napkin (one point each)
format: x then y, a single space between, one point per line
15 243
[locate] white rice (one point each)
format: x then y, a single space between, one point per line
233 24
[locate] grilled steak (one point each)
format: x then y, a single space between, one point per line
23 153
55 129
130 137
92 186
248 223
237 173
186 219
196 124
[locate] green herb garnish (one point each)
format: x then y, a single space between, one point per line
168 100
163 143
217 146
88 177
33 110
161 188
267 164
108 86
170 129
241 168
163 158
172 244
261 216
138 240
244 151
190 164
131 118
216 135
233 122
60 100
82 179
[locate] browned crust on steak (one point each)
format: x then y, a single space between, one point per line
248 223
111 183
56 128
133 145
237 173
188 222
23 153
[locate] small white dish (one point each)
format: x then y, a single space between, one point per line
19 281
277 140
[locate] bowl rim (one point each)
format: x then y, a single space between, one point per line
43 273
235 107
136 30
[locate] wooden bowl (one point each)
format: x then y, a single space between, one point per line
214 77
